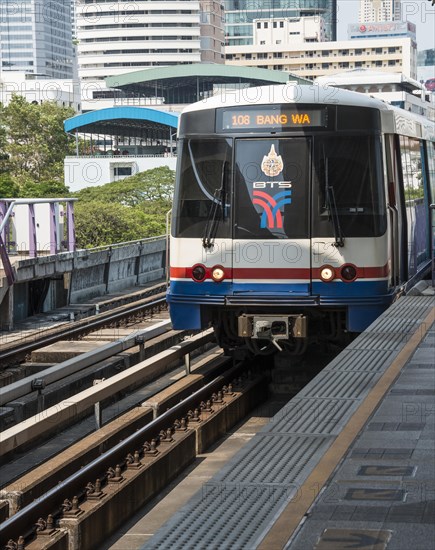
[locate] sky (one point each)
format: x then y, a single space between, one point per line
420 12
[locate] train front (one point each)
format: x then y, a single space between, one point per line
278 228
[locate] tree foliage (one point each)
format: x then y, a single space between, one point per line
99 223
33 143
150 189
131 209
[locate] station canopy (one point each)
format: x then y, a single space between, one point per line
185 84
162 87
135 122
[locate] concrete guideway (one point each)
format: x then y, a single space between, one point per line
34 427
84 523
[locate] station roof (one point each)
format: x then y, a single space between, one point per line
189 83
124 121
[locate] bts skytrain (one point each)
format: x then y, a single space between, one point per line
300 212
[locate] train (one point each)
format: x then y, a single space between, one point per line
300 213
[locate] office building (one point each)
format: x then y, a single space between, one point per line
378 11
241 14
36 37
311 60
396 88
116 38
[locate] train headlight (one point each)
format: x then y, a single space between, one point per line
348 273
218 273
327 273
198 273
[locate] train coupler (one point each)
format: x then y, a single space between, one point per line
272 327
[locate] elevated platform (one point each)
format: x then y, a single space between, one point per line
348 463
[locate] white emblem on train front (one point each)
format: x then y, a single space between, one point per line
272 164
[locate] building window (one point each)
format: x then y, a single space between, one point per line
325 65
266 25
378 50
122 171
275 24
258 25
392 50
358 51
281 24
391 63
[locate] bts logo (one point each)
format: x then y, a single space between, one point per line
272 217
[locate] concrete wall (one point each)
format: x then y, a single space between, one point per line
102 272
75 277
83 172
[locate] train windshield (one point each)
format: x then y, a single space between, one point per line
262 188
202 197
348 170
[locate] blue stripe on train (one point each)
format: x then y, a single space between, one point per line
365 300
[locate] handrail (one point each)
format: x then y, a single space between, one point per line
125 243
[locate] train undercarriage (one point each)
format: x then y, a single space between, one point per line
263 333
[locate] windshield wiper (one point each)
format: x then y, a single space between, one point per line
218 202
333 210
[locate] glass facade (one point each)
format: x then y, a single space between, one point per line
240 15
36 36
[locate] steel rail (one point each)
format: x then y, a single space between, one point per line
85 325
22 523
68 409
71 366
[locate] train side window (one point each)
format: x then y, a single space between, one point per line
411 160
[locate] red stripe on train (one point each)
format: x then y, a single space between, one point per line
279 273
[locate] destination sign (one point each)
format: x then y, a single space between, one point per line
270 118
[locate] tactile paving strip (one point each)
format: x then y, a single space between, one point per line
340 384
370 361
266 459
312 416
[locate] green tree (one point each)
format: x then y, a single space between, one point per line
43 189
131 209
8 188
99 223
36 143
151 189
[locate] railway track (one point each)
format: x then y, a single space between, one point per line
13 352
93 480
140 444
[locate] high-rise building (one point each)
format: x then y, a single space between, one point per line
36 37
241 14
377 11
120 37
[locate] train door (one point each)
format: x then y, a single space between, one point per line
396 212
271 235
